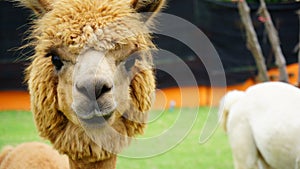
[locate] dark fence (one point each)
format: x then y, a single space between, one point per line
220 21
14 23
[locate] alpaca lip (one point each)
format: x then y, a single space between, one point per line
97 119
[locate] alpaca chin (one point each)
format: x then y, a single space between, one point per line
103 133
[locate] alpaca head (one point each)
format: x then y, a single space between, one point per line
77 75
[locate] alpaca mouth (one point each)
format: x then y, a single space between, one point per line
97 119
97 113
93 112
90 109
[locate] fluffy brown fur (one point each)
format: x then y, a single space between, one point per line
70 27
32 155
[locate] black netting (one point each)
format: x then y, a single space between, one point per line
14 23
220 21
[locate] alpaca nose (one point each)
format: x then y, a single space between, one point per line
102 87
96 90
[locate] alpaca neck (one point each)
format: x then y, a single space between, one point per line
104 164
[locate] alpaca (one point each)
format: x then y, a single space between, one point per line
83 98
263 126
32 155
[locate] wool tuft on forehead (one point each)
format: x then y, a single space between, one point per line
75 25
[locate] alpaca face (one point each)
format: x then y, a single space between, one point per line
96 80
86 43
95 73
100 87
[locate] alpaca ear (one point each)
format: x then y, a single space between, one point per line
142 86
153 6
39 7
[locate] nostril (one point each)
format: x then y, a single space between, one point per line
105 89
84 89
101 89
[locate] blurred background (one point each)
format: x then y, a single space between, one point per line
221 23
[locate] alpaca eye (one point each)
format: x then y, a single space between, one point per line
56 61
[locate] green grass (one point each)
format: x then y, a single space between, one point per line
17 127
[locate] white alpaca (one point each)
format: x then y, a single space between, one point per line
263 126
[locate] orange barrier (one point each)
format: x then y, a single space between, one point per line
14 100
165 98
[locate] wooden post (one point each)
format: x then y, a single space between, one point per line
274 41
252 41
